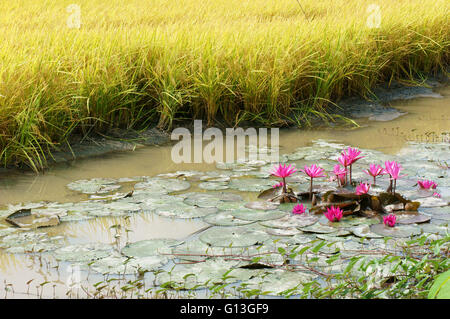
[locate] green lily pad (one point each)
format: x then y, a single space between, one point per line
301 239
225 219
29 242
213 186
364 231
257 215
83 252
396 231
196 250
250 184
190 276
319 229
435 229
432 202
290 231
94 186
288 221
184 211
117 264
202 200
277 281
233 237
411 218
150 247
261 205
157 184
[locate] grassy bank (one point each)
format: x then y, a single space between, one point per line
133 63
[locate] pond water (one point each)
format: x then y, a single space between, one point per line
426 121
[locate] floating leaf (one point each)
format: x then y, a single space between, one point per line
94 186
257 215
233 237
396 231
184 211
364 231
261 205
225 219
117 264
288 221
83 252
150 247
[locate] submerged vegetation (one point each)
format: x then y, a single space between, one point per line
133 64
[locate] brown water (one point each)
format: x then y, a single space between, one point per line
427 119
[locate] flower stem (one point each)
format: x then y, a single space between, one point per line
284 186
310 188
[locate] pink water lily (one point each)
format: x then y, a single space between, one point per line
298 209
374 171
362 188
348 157
334 214
427 184
340 174
352 155
393 169
313 172
390 220
278 185
283 171
437 195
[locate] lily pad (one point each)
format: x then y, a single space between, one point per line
290 231
94 186
261 205
184 211
319 229
233 237
411 218
277 281
150 247
213 186
288 221
157 184
190 276
83 252
257 215
364 231
202 200
396 231
28 242
117 264
225 219
435 229
250 184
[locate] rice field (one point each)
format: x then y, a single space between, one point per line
81 66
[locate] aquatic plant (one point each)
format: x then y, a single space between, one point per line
374 171
334 214
389 220
362 188
283 171
426 184
348 157
340 174
437 195
393 169
278 185
298 209
313 171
